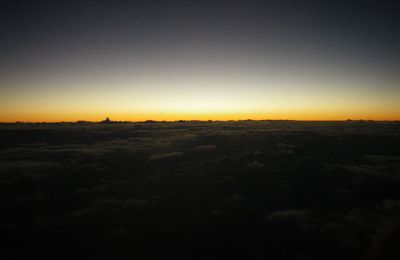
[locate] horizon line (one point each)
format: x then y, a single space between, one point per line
192 120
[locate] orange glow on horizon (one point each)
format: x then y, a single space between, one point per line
180 95
197 116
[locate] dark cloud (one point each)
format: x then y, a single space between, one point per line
128 188
255 166
160 156
205 148
296 215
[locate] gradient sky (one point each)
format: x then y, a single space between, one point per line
170 60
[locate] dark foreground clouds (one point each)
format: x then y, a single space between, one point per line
279 189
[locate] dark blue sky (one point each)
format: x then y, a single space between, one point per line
366 29
60 40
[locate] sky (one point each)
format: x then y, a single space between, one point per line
199 60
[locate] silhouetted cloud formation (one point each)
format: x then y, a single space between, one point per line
317 189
